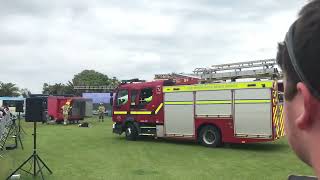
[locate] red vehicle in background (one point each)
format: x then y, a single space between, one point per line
56 102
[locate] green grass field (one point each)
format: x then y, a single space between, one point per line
95 153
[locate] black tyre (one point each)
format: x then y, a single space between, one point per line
131 132
210 136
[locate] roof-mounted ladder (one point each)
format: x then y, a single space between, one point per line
260 69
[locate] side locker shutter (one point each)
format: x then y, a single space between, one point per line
179 114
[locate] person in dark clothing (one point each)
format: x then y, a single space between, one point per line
299 58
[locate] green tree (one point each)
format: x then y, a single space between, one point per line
9 89
84 78
91 78
114 82
25 92
68 88
57 89
46 89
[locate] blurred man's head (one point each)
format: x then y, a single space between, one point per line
299 58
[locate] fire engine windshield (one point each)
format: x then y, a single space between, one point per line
122 97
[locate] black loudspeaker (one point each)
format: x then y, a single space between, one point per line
35 109
19 106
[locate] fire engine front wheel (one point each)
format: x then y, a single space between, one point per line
131 132
210 136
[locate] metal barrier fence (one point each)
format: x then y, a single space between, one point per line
5 123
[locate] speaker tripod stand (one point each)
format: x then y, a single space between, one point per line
19 124
38 163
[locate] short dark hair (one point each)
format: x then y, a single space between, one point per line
306 46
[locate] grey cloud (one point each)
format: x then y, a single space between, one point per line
8 39
50 41
40 7
227 10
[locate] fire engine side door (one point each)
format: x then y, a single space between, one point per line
145 97
143 110
121 104
134 100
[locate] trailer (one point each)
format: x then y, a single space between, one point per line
211 114
81 108
98 98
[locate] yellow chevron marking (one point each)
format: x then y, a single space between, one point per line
158 109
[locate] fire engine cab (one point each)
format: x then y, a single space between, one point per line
211 114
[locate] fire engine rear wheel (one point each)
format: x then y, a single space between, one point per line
131 132
210 136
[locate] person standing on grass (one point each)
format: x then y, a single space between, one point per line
65 111
299 58
101 110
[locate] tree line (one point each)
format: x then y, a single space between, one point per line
84 78
11 90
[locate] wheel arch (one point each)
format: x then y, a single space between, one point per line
204 125
130 120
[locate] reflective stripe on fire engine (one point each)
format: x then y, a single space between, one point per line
220 86
248 101
213 102
141 112
282 122
278 121
253 101
120 112
178 103
159 108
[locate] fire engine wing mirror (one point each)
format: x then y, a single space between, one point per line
111 101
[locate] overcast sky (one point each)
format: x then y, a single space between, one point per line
50 41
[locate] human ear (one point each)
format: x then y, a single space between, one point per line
308 102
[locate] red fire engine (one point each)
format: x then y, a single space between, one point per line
212 114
